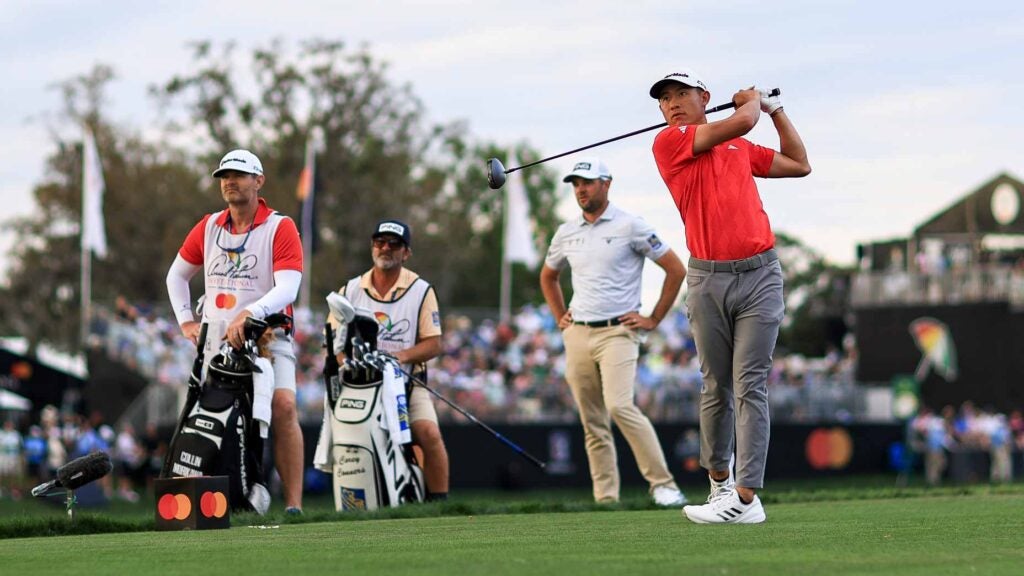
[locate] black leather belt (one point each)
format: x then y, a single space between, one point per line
599 323
736 266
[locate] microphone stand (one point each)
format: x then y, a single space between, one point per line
69 503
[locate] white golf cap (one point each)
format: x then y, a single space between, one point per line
590 169
240 161
685 76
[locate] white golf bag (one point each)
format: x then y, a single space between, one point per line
365 441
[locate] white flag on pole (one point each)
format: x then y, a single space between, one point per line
519 246
94 236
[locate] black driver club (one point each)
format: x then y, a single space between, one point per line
496 172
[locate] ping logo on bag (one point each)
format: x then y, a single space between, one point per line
353 498
353 403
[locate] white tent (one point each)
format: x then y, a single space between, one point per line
11 401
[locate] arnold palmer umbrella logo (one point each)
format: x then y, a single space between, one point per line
938 352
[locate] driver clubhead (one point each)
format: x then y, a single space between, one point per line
495 173
340 306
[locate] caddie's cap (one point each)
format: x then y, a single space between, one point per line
396 227
241 161
686 77
590 169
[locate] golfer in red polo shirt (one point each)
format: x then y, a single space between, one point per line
734 285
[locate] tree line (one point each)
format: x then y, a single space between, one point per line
380 159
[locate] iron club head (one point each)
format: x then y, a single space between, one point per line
495 173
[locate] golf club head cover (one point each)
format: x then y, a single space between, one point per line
343 311
769 104
81 471
340 306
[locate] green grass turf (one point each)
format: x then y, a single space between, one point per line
847 525
952 534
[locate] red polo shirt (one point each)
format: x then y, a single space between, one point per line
715 193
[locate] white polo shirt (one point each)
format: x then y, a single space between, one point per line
607 260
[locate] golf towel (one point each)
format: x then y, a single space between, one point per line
322 456
262 394
396 411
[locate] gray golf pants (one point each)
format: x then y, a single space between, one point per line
735 313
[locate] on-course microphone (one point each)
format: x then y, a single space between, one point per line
77 473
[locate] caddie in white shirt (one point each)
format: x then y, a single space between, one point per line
606 248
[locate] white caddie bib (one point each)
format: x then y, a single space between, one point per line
398 321
234 279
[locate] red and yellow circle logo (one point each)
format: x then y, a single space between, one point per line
179 507
213 504
226 301
829 448
174 507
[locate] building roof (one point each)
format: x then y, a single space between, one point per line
995 207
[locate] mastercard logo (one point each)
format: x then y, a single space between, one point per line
226 301
213 504
829 448
179 507
174 507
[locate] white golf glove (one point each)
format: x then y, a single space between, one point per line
769 104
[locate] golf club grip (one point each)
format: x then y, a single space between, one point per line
728 105
202 336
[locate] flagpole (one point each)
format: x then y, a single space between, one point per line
505 296
307 233
85 282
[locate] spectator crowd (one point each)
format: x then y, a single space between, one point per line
499 371
58 437
937 436
510 371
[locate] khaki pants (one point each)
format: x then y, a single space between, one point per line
601 370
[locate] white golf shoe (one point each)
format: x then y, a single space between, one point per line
718 486
725 507
668 496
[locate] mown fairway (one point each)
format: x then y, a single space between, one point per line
950 534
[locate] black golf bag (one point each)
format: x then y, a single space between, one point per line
216 434
369 465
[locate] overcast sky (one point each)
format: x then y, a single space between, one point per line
903 110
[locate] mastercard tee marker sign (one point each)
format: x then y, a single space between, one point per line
196 503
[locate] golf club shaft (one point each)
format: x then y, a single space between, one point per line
515 447
712 110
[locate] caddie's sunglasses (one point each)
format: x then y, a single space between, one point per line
238 249
393 243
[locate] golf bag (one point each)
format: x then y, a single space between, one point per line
216 434
360 444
